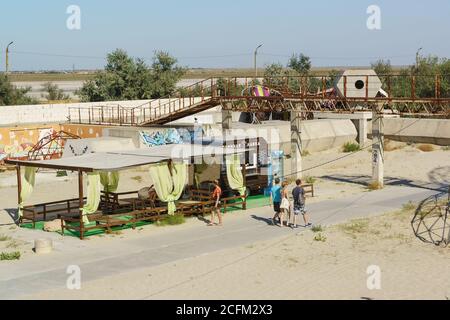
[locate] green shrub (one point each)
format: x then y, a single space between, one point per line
310 180
172 220
138 179
408 206
320 237
10 256
305 153
4 237
317 228
61 173
351 147
374 185
355 227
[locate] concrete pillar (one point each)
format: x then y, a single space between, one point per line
361 127
227 119
227 122
377 148
296 143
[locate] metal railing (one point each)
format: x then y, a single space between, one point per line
427 90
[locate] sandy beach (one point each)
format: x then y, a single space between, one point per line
294 267
327 264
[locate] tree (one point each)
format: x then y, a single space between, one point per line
273 75
11 95
125 78
54 93
300 63
164 74
425 73
382 67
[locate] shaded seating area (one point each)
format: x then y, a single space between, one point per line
99 207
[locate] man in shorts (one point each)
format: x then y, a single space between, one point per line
298 194
275 199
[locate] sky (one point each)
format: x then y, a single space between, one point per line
221 34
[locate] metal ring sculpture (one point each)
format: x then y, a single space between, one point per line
431 222
51 146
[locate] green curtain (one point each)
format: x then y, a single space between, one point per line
109 180
169 188
234 174
93 195
27 181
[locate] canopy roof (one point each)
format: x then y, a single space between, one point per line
111 161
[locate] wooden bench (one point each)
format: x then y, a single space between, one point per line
40 212
309 189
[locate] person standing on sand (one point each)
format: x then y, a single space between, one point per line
285 205
217 193
299 204
275 200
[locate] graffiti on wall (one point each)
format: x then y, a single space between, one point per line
21 142
170 136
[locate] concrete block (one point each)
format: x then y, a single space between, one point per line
43 246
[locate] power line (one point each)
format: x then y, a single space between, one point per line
341 58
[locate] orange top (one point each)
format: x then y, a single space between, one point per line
217 193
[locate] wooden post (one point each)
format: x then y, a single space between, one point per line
345 87
81 202
324 89
244 176
19 190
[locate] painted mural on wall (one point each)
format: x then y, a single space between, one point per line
21 141
170 136
17 141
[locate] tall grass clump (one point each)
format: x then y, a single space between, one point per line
174 220
351 147
4 256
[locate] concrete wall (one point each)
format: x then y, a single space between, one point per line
434 131
51 113
319 135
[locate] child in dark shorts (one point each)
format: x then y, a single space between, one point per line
275 199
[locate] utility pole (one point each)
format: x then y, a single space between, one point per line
296 141
417 58
378 146
7 57
256 66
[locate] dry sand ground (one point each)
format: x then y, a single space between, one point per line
293 268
